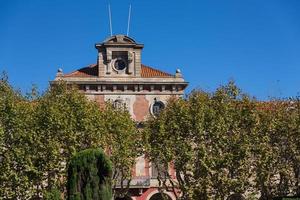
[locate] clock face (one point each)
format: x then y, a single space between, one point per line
120 64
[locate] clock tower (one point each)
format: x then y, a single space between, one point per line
119 56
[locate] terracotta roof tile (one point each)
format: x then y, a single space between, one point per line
149 72
89 71
92 71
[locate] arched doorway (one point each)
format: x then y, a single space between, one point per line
159 196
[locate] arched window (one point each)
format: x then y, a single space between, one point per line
156 107
159 196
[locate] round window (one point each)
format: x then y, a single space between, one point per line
157 107
120 64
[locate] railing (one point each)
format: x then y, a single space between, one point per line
136 182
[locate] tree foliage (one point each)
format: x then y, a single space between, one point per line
124 146
220 143
16 125
225 143
39 135
277 149
89 176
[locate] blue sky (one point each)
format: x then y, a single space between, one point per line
254 42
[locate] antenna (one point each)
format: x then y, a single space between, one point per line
129 15
110 22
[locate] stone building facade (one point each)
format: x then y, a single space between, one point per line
120 77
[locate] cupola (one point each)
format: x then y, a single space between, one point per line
119 56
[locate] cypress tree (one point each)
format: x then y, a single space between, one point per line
89 176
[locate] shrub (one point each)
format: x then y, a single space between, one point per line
53 194
89 176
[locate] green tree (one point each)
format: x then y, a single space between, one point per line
16 168
207 137
229 124
224 143
276 149
41 133
89 176
220 142
123 144
53 194
64 123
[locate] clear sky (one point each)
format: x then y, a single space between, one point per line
254 42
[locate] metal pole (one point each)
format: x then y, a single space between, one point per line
128 24
110 21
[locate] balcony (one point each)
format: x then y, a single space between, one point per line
136 182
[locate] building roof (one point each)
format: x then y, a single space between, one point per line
149 72
88 71
92 71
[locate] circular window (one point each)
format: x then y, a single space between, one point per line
157 107
120 64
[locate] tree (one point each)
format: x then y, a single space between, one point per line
89 176
53 194
64 123
224 143
276 149
40 134
70 123
16 159
123 144
229 124
207 137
